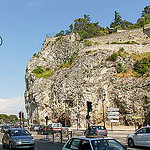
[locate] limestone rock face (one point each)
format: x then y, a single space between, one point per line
88 77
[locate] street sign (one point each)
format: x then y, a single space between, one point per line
112 109
114 120
113 117
136 117
113 113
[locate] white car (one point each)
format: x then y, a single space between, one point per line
140 138
81 143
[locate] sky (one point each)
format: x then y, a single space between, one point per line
24 25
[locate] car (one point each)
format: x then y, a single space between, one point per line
139 138
96 131
81 143
5 128
54 127
18 138
34 127
42 130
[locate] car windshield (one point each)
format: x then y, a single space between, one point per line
105 144
19 133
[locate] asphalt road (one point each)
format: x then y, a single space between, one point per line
43 144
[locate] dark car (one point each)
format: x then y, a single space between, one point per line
5 128
96 131
42 130
18 138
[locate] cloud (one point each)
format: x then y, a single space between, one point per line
12 106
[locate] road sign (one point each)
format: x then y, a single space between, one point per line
114 120
113 113
136 117
113 117
112 109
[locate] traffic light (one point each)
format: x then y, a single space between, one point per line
88 117
89 106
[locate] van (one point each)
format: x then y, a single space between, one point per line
55 127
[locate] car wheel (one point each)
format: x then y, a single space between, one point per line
3 145
131 143
10 146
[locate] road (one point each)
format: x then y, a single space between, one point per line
43 144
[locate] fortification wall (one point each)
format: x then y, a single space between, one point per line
136 35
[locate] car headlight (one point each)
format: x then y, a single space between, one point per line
17 141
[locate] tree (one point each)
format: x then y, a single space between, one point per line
125 24
87 17
71 28
117 20
146 11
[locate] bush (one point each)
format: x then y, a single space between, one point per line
113 57
142 66
119 68
38 70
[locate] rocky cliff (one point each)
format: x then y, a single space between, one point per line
67 72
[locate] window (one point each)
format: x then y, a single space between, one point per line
85 145
106 144
73 144
147 130
142 131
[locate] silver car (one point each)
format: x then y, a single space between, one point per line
80 143
139 138
18 138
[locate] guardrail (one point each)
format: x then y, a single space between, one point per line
63 135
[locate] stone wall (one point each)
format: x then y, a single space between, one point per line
136 35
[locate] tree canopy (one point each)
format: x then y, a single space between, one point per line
86 29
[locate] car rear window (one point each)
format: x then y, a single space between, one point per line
57 125
101 128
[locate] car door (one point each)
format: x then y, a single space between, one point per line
138 137
73 144
146 137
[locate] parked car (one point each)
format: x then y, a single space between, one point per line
80 143
139 138
96 131
42 130
54 127
18 138
5 128
34 127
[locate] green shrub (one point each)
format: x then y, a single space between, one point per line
37 70
69 62
119 68
88 43
113 57
142 66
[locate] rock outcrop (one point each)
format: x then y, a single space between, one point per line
78 73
